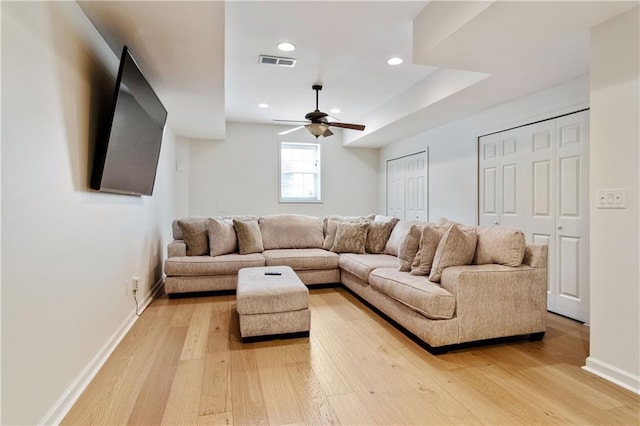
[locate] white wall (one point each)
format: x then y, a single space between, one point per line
453 148
615 234
240 174
66 251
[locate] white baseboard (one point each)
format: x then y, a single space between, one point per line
613 374
59 410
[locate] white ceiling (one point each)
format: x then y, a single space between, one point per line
460 58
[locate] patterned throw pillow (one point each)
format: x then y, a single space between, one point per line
195 237
350 237
378 234
249 236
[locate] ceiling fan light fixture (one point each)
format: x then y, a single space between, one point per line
285 46
317 129
395 61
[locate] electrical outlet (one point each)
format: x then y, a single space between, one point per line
134 284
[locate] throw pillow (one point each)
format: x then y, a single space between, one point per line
350 237
330 235
249 236
429 240
378 234
501 245
409 248
398 235
457 247
195 237
222 237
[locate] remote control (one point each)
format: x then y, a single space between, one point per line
273 273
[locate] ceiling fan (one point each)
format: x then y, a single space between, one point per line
317 122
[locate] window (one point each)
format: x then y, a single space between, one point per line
300 172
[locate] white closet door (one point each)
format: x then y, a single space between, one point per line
515 148
416 189
542 188
572 220
395 188
407 187
489 179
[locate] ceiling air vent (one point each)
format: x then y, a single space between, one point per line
277 60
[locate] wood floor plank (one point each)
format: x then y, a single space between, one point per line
221 419
313 403
195 345
152 399
216 390
279 393
350 410
353 369
247 399
183 401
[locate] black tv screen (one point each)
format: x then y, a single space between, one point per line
128 146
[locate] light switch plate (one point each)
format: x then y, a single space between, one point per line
611 198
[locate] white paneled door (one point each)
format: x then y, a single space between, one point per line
407 187
535 178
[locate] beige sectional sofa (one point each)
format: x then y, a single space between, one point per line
480 283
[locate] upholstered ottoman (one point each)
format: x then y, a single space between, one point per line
272 302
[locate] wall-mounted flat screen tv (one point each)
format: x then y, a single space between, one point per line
128 145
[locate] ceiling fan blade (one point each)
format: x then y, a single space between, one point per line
327 133
286 132
292 121
347 126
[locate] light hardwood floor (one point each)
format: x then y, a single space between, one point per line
183 363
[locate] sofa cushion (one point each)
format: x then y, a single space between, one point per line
227 264
457 247
291 231
418 293
249 236
379 232
222 236
429 239
350 237
409 248
194 234
501 245
302 259
398 235
361 265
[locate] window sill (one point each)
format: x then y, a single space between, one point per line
300 201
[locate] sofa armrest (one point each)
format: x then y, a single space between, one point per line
176 248
497 301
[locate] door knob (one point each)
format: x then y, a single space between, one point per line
495 222
559 227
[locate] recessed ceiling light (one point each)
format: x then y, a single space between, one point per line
394 61
334 110
263 105
285 46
